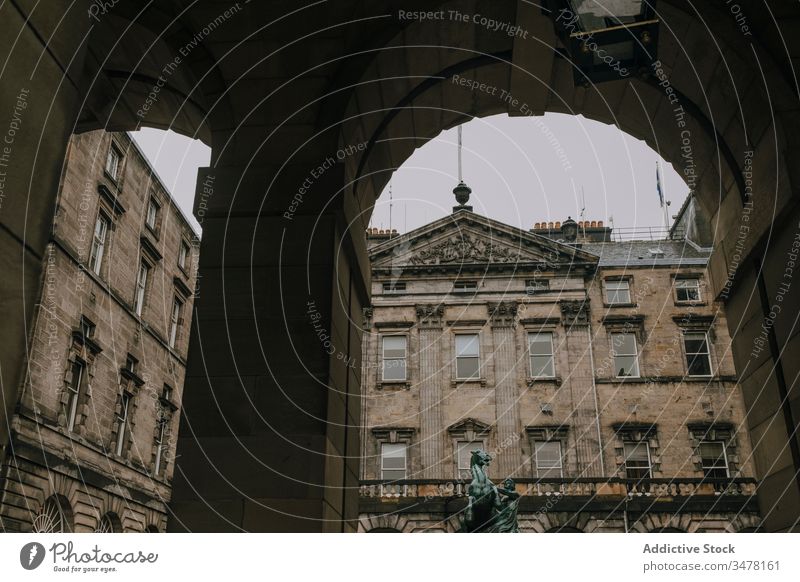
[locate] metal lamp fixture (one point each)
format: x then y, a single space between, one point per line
606 39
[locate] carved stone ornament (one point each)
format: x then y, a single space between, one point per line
465 249
575 312
503 314
430 311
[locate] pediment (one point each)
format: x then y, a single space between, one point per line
467 239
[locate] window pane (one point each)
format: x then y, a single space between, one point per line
541 344
467 367
637 460
713 460
618 292
394 369
626 366
393 461
467 345
636 451
698 362
548 459
464 453
688 290
394 347
624 344
542 366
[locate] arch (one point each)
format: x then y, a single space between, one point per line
383 530
109 523
383 523
55 516
667 530
151 529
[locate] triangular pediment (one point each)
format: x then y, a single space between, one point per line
467 239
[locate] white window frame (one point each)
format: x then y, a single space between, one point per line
531 355
113 160
707 353
152 211
123 417
141 286
616 283
183 254
74 393
560 467
635 354
477 336
646 446
103 224
684 284
724 456
160 445
405 459
385 360
174 320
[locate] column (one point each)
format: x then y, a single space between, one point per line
430 390
580 383
507 460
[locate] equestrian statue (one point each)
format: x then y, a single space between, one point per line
491 509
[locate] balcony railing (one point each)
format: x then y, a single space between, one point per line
578 487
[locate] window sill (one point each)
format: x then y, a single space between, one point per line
700 303
111 179
393 384
151 230
545 380
607 305
462 381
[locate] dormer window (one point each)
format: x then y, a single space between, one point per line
465 286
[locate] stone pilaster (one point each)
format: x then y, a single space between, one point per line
431 443
503 318
580 382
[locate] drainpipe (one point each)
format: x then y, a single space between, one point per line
596 405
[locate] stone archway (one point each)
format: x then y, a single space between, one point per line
269 439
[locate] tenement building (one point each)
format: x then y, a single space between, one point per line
93 431
597 373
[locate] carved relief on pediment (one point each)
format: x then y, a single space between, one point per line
465 248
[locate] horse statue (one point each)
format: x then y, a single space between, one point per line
490 509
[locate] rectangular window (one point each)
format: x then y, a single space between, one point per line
174 321
618 292
534 286
637 460
698 358
540 349
687 290
714 459
161 443
141 287
78 368
166 393
122 423
183 255
152 214
112 162
396 287
465 286
130 363
394 357
99 243
393 461
464 453
87 328
468 356
547 458
626 355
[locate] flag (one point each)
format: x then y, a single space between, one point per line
658 187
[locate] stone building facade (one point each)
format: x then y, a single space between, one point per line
598 375
94 428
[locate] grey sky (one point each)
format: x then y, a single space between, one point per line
521 170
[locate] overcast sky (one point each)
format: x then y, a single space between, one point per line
521 170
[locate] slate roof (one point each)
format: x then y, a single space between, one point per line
637 253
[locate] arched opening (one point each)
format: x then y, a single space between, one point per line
151 529
55 516
109 523
564 529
